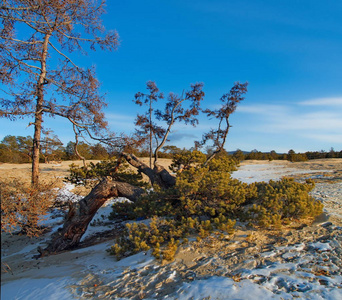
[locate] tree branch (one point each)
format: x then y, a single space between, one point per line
20 41
66 57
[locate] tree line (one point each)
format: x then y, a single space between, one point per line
18 149
291 155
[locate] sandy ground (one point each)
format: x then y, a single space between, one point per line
300 261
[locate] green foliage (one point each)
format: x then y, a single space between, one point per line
89 175
16 149
164 235
211 190
293 156
207 199
156 203
199 204
99 152
290 156
184 159
239 155
282 201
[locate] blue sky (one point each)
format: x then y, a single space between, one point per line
289 51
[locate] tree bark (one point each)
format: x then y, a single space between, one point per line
158 174
39 112
164 178
82 212
140 166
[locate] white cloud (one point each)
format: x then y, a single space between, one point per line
120 117
333 101
296 121
328 121
264 109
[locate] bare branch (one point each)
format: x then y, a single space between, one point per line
66 57
19 8
219 136
20 41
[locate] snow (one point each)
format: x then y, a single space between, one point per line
267 172
101 216
42 288
224 288
65 193
321 246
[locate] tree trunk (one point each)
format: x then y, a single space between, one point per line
158 175
164 178
76 150
39 112
138 164
82 212
36 148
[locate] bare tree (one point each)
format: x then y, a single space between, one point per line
219 135
184 108
37 65
148 128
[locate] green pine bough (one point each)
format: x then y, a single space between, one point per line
207 199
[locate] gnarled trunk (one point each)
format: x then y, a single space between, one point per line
164 178
82 212
158 174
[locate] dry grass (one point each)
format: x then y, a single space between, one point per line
50 172
56 172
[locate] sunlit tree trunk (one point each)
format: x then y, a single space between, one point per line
39 112
82 212
151 134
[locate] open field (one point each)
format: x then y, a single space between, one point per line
50 172
57 171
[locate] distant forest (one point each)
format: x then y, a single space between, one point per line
18 149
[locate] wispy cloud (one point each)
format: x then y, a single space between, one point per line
120 122
333 101
327 121
264 109
121 117
316 123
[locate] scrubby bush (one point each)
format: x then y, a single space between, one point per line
23 206
207 199
281 201
201 202
186 159
211 190
90 175
164 235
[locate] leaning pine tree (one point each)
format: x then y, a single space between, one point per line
183 108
